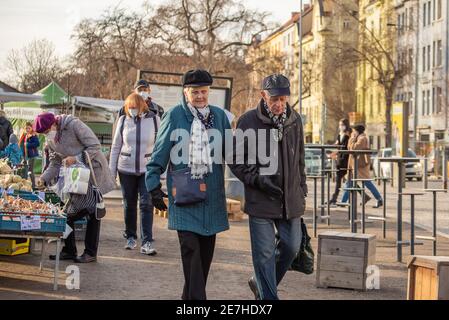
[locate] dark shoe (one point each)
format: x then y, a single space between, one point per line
379 204
253 286
331 202
85 258
367 198
63 256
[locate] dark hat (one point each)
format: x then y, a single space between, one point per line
197 78
276 85
141 83
359 128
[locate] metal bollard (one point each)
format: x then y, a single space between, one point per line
444 170
426 169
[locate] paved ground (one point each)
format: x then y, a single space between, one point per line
121 274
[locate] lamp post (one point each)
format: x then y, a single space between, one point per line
300 57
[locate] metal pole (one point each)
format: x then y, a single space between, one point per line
363 207
354 197
323 179
399 220
412 225
426 168
328 198
444 169
434 227
384 222
314 205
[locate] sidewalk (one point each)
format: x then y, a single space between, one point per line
121 274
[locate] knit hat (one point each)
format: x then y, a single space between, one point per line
13 138
43 122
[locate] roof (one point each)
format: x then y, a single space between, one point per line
295 18
7 88
105 104
52 94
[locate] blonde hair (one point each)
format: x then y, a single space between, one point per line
135 99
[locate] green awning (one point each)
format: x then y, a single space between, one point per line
100 128
53 94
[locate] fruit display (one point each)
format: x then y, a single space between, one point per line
16 205
15 182
4 167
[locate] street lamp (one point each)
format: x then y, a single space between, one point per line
300 56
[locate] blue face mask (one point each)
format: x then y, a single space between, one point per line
133 112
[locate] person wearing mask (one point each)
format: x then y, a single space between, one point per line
359 141
131 150
342 158
274 200
12 152
69 139
142 88
183 145
5 130
29 144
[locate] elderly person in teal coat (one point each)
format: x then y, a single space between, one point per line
197 224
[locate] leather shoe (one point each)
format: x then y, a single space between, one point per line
253 286
63 256
85 258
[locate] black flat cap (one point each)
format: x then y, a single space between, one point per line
276 85
141 83
197 78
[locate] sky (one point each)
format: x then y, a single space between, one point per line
22 21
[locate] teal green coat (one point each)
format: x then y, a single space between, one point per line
206 218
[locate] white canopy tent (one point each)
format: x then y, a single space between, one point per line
112 106
14 96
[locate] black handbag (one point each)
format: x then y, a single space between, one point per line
304 260
185 190
100 209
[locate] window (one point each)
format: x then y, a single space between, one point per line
379 103
428 57
434 10
424 59
428 102
439 9
439 99
439 53
424 14
434 54
410 102
429 12
410 58
433 100
371 105
423 103
410 18
346 24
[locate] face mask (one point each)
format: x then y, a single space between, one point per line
144 95
133 112
51 136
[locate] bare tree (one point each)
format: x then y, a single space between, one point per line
33 66
376 49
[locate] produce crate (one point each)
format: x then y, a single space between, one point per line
14 246
49 223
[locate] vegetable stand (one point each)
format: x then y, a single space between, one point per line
29 216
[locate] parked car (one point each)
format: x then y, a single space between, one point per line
412 169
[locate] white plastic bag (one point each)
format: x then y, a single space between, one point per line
76 179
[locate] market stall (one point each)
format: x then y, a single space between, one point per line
25 214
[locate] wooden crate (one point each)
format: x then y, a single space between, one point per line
234 210
343 259
428 278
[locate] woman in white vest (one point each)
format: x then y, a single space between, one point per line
131 150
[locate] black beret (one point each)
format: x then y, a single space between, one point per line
197 78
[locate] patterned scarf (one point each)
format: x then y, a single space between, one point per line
200 161
278 121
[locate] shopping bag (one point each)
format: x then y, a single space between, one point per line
304 260
76 179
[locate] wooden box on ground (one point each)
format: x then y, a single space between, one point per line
428 278
343 259
234 210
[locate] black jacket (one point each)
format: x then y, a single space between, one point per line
290 170
342 159
5 131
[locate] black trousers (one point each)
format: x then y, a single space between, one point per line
340 175
197 252
92 234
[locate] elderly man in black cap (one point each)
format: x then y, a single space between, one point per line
195 183
274 201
